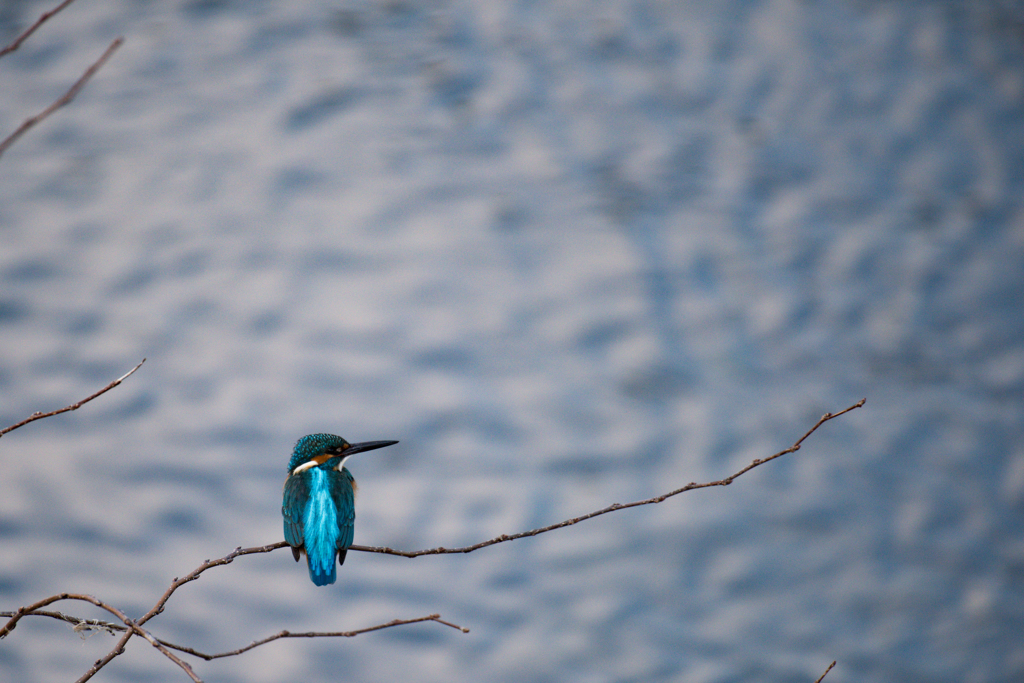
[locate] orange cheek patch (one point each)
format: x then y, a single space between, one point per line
321 459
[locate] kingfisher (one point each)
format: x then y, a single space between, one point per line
319 505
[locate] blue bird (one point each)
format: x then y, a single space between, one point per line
319 502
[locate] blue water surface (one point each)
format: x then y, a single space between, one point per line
569 254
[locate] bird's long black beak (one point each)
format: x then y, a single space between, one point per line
366 446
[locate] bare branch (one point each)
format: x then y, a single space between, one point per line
131 627
238 552
32 29
135 628
65 99
103 661
163 649
616 506
820 678
314 634
79 625
177 583
75 406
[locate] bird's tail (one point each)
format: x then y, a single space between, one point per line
322 571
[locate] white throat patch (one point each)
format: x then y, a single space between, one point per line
318 461
305 466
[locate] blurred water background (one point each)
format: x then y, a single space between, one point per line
569 254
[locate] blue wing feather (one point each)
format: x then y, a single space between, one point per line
344 494
296 495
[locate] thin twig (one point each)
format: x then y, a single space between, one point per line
314 634
74 406
78 623
820 678
611 508
65 99
110 627
105 659
176 583
187 668
32 29
135 628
